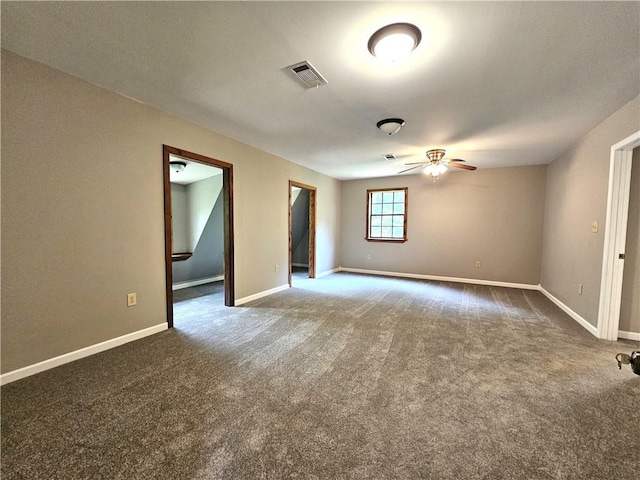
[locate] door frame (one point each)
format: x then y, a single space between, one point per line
227 192
312 227
615 236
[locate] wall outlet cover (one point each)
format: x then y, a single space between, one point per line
131 299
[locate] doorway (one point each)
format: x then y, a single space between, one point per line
629 325
172 154
302 230
615 236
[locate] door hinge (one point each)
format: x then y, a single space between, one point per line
621 256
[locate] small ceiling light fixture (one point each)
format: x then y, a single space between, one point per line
177 166
390 125
394 42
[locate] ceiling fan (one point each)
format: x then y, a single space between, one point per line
436 164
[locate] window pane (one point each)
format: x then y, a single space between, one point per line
387 215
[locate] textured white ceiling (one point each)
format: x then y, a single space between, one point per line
495 83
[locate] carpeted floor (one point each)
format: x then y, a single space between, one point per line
344 377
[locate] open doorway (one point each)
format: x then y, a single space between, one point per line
198 207
613 258
302 231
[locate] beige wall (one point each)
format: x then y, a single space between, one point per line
576 196
630 305
82 212
493 216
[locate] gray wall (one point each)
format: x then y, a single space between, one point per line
630 307
493 216
203 219
80 230
300 228
208 255
577 186
201 198
179 218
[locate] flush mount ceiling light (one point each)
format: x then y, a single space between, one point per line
394 42
177 166
390 125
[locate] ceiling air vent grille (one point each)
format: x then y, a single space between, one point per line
389 156
306 74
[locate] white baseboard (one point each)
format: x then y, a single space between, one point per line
524 286
629 335
78 354
193 283
256 296
328 272
581 320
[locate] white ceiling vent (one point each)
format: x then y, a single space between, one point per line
306 74
389 156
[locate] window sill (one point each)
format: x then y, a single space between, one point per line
179 257
386 240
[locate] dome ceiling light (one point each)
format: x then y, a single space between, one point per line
394 42
390 125
177 166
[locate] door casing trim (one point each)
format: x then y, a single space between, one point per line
615 236
312 227
227 192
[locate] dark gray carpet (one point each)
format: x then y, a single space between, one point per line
344 377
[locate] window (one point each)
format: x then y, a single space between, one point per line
387 215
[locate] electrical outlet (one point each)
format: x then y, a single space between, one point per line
368 257
277 268
580 288
478 264
131 299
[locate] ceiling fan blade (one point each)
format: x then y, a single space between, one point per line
412 168
465 167
417 163
456 160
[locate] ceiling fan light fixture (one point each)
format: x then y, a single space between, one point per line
435 169
436 154
394 42
390 125
177 166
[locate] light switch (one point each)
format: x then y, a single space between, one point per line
594 227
